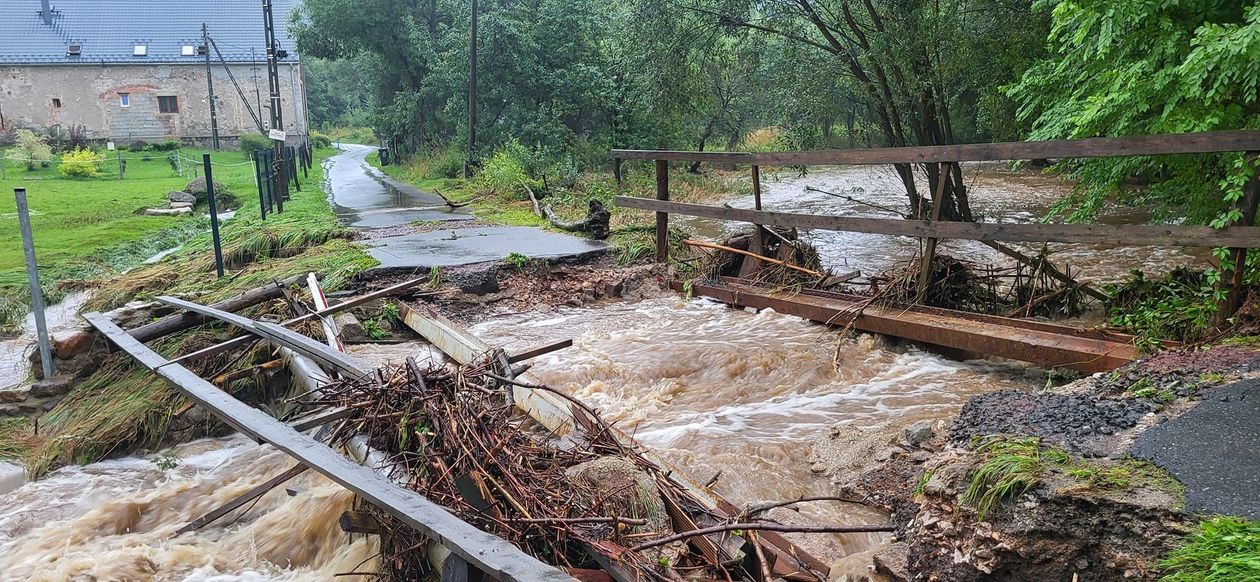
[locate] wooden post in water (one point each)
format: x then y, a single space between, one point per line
757 243
929 248
662 218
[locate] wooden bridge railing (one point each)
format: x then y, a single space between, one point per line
1239 237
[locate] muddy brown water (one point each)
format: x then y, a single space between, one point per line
713 389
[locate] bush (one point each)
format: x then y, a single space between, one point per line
251 142
137 146
31 149
505 172
448 163
319 140
80 163
169 145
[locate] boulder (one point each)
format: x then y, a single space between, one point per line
893 561
919 433
350 327
197 188
181 197
70 343
55 386
15 395
479 281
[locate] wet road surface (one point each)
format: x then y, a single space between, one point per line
364 197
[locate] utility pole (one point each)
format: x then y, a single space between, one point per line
472 93
277 116
214 116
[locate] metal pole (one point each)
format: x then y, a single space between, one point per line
472 93
214 117
662 218
280 169
262 196
32 276
214 215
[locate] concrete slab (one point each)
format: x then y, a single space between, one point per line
364 197
1214 450
463 246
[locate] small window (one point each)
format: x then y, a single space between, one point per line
140 50
124 99
188 50
168 104
57 102
74 50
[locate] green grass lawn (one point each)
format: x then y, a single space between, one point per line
86 227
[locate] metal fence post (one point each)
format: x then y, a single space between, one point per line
32 276
662 218
262 196
214 215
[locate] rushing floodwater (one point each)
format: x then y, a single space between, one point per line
712 388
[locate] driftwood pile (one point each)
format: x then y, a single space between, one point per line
582 501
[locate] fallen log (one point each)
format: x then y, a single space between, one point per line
595 224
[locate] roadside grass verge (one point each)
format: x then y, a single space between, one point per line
1222 549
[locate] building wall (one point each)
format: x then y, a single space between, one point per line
90 96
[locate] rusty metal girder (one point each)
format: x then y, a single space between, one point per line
1049 345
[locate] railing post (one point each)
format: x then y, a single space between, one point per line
1248 204
757 243
929 248
662 218
617 170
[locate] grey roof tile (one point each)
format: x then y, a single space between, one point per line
109 29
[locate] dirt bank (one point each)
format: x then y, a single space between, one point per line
1081 481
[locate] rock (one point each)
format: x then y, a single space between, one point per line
893 561
919 433
934 485
167 211
15 395
70 343
176 197
55 386
7 410
197 188
181 205
481 281
349 326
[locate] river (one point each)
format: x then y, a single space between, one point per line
717 391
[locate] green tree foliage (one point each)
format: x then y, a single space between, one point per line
1148 67
31 149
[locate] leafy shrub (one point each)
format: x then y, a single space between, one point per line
251 142
1221 549
448 163
31 149
1180 306
137 146
319 140
80 163
169 145
505 172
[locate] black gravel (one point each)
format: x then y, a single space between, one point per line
1213 449
1080 423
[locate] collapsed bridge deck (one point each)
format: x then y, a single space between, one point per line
1054 346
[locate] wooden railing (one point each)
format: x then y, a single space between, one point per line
1241 236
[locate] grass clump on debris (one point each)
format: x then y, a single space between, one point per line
1222 549
1011 466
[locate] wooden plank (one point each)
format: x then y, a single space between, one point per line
539 351
310 421
254 493
489 553
1138 145
1103 234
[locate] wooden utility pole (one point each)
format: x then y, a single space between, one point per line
472 93
214 116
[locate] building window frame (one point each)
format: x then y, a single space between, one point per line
168 104
124 99
56 102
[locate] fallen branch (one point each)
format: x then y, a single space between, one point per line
753 510
758 526
1047 267
533 199
863 202
696 243
452 203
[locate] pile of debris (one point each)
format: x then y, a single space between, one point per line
584 501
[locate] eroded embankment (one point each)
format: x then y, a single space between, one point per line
1098 479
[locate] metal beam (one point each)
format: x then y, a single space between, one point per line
488 553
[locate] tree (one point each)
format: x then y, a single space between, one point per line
31 149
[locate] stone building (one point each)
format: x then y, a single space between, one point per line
135 70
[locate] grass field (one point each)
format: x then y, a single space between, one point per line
89 227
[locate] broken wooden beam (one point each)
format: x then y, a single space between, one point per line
540 351
254 493
490 554
352 521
